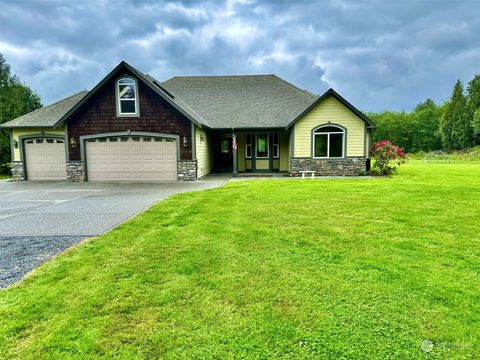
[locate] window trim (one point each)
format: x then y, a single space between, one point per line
118 100
268 146
248 144
275 145
344 140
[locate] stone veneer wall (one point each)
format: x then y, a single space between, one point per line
18 173
75 171
187 170
329 167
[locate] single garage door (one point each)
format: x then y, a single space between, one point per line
131 159
45 159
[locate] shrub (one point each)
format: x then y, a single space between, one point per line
387 157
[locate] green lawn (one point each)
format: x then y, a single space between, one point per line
328 268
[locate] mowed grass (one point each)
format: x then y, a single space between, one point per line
293 269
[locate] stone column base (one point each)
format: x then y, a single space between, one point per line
329 167
187 170
18 171
75 171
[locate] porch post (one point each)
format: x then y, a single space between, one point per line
234 148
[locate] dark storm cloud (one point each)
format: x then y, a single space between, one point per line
379 54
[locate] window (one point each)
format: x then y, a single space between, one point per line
262 146
248 146
328 142
225 146
127 98
275 146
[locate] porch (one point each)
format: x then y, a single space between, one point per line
251 152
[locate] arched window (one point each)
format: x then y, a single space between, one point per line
127 97
328 142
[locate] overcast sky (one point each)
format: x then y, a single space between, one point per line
378 54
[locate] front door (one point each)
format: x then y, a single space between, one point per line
223 161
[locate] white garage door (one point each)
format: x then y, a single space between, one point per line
45 159
131 159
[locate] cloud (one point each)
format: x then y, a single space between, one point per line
378 54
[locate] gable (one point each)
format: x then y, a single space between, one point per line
330 110
98 115
123 69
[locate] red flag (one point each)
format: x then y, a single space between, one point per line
234 143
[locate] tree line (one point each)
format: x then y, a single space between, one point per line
16 99
453 125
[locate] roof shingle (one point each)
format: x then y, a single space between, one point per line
242 101
46 116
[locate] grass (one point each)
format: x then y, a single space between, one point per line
4 177
337 268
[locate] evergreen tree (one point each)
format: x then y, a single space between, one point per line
16 99
456 128
426 127
476 123
473 104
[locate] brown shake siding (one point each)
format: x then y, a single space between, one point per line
99 115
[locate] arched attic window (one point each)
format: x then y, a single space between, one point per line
127 97
328 142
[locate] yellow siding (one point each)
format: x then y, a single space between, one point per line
262 164
241 152
284 151
275 164
203 152
329 110
31 131
248 164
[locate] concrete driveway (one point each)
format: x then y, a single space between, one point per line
41 219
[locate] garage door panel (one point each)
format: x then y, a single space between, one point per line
45 159
131 160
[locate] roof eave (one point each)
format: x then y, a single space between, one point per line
6 126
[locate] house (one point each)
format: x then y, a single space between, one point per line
132 127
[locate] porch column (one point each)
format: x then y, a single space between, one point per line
234 148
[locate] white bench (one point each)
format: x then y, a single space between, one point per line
308 172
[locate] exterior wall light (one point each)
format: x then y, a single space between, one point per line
73 142
202 138
15 144
185 141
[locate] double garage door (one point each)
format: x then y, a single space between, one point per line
122 158
133 158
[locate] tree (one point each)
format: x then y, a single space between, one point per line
415 131
456 128
476 123
426 127
473 103
16 99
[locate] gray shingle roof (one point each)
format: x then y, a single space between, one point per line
46 116
242 101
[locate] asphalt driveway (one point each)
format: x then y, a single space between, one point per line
41 219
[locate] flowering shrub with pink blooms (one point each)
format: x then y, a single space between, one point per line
387 157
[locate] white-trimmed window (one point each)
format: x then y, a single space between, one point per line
127 97
275 146
261 148
248 146
328 142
